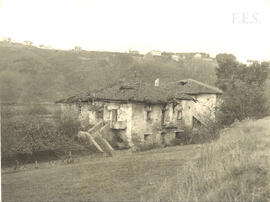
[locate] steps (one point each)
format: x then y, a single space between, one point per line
96 128
103 143
94 137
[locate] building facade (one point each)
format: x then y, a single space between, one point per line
139 113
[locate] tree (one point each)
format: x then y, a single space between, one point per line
227 66
243 89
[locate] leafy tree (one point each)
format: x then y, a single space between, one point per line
243 88
227 66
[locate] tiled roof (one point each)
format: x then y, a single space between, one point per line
137 91
132 91
192 87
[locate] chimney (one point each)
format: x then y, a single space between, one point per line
157 82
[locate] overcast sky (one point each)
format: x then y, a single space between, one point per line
241 27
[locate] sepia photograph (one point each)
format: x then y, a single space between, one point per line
135 100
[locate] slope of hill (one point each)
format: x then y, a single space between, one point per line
31 74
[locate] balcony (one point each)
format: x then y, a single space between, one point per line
169 125
118 125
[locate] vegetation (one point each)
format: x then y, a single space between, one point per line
29 133
233 168
244 89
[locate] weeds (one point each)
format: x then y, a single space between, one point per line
230 169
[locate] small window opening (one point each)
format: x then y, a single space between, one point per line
179 115
178 135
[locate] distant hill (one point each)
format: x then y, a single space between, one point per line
30 74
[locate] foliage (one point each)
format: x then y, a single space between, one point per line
233 168
32 133
243 89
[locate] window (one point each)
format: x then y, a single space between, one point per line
178 135
148 112
179 115
163 117
114 115
148 115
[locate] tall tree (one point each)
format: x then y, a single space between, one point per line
243 87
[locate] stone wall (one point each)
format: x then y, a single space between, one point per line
142 122
205 107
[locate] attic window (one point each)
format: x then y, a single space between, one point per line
183 83
126 87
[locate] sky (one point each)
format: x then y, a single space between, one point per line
240 27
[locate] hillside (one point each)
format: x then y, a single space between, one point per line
31 74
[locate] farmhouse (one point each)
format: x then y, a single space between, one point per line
137 112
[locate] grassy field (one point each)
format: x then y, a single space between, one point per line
235 168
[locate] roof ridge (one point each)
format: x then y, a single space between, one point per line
204 84
198 82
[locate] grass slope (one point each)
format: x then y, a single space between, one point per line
235 168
